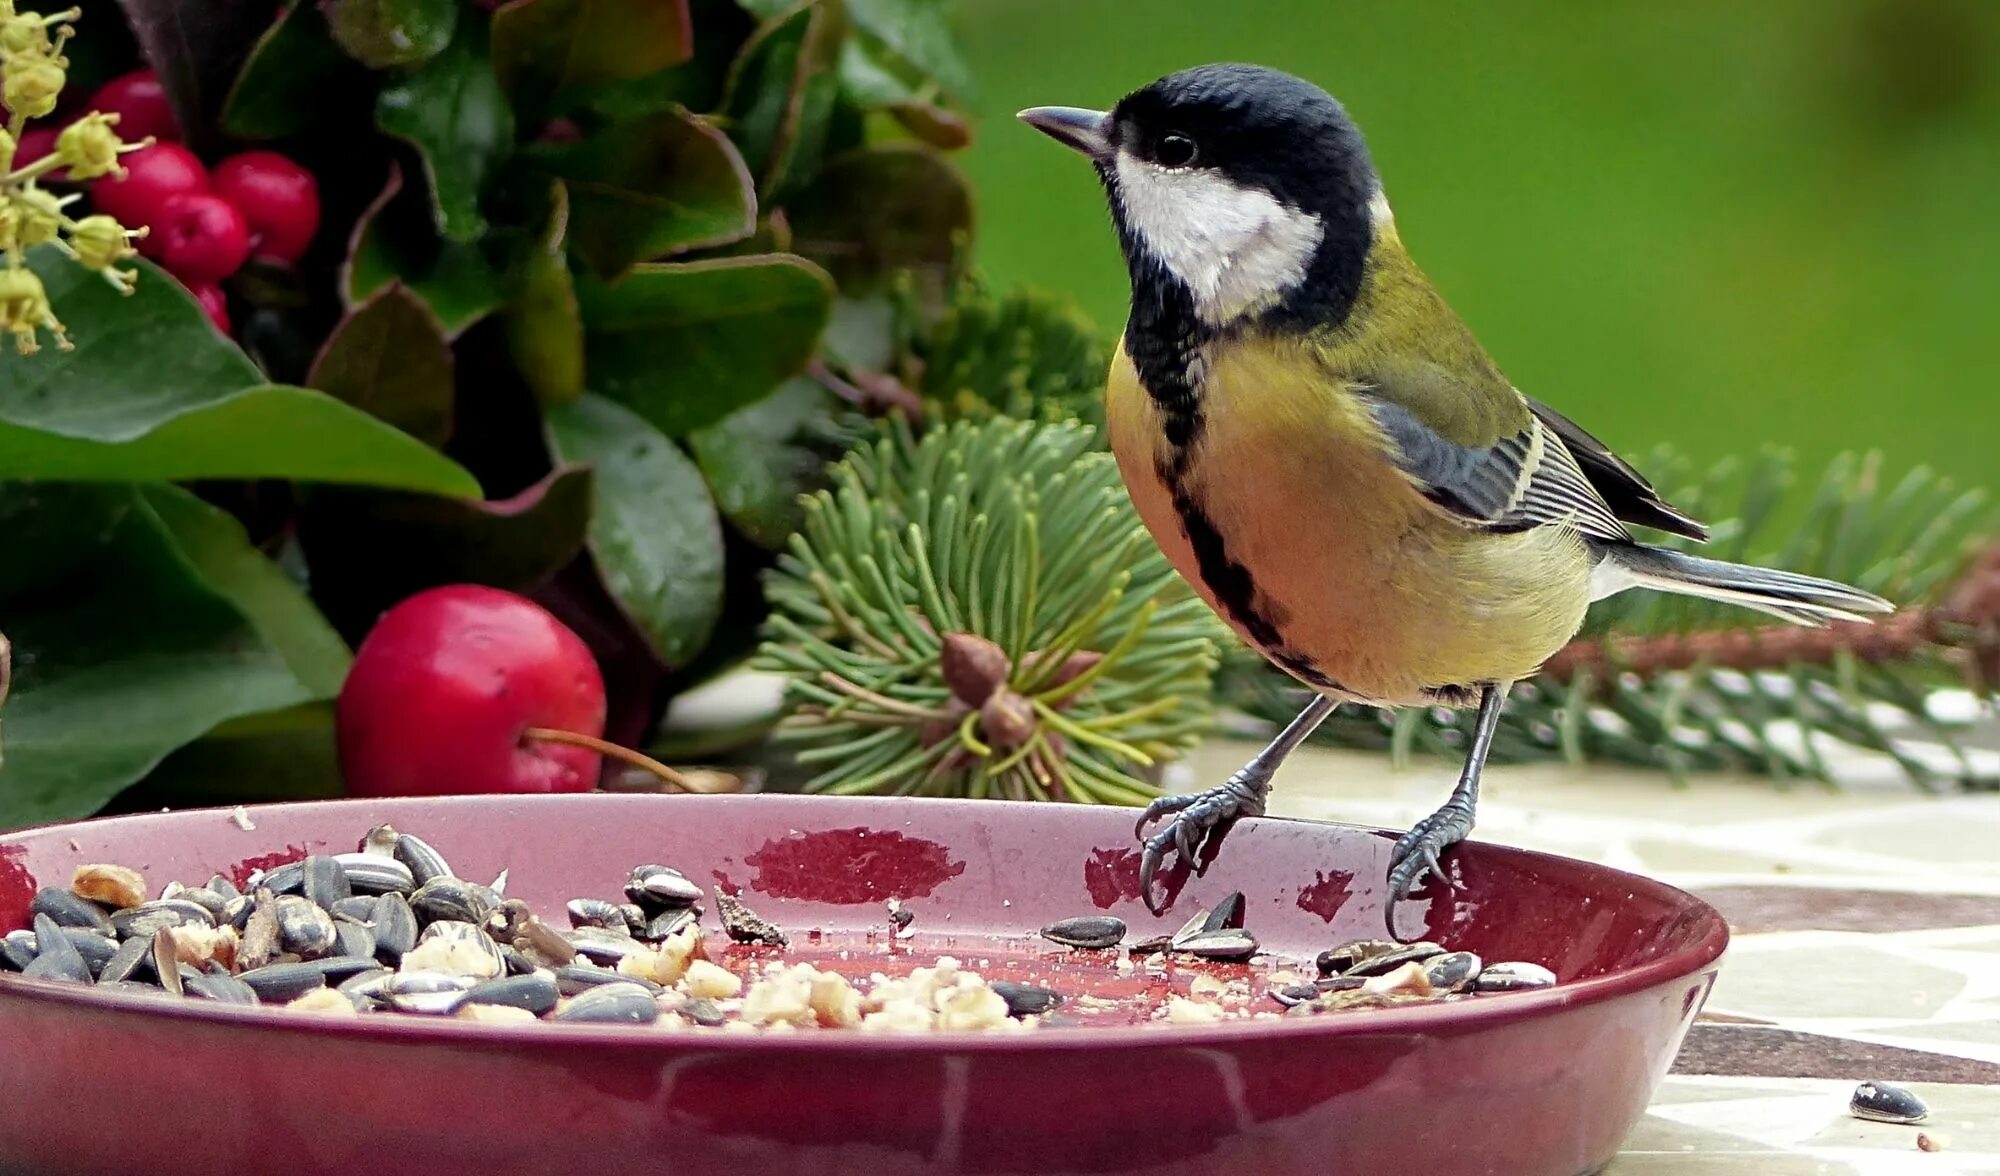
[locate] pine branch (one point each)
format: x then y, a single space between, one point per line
1690 685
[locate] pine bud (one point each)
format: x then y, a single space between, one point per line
973 666
1007 718
89 147
33 85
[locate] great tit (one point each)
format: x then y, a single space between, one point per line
1329 456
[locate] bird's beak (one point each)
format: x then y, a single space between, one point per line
1087 131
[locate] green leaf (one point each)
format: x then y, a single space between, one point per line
392 245
919 33
283 755
214 543
686 344
654 535
661 184
370 548
292 64
882 211
388 357
386 34
544 324
138 652
872 77
153 393
453 112
541 47
781 94
760 458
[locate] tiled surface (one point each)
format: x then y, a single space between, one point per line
1867 946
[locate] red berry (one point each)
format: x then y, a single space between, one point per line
200 238
214 302
140 103
152 174
279 198
35 143
444 688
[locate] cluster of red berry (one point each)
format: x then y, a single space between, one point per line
203 224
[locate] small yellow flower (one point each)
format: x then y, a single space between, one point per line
100 243
33 84
89 147
24 309
38 215
28 32
7 146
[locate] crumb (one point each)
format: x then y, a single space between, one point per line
1207 988
713 981
495 1014
1926 1142
324 1000
240 817
1181 1011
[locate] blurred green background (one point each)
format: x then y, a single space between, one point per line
1711 222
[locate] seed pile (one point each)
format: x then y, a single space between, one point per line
392 929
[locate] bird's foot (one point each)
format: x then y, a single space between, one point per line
1200 821
1416 852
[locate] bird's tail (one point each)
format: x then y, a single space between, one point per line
1802 600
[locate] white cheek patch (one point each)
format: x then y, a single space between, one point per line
1238 249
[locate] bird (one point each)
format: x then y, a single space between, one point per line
1327 454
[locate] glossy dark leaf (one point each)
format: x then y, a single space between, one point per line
872 77
196 50
685 345
542 47
918 32
781 94
153 393
760 458
369 549
393 241
642 189
544 324
654 534
389 358
883 211
386 34
104 690
453 112
278 90
283 755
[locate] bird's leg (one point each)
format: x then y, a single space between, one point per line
1416 853
1201 818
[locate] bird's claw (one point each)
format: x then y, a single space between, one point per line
1416 854
1200 820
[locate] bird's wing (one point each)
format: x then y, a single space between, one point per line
1628 493
1480 455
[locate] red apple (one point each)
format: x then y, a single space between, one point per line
445 688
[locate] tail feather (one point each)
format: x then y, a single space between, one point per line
1802 600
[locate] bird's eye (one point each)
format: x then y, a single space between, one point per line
1174 150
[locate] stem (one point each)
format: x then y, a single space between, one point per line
624 754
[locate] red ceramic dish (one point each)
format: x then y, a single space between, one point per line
1544 1083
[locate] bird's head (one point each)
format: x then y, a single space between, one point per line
1249 189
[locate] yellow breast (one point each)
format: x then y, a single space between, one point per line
1289 518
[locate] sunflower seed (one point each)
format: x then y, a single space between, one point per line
518 963
1025 1000
395 928
303 928
237 913
370 873
220 884
1454 971
324 881
69 909
427 992
1227 913
1229 943
1513 976
379 842
1339 959
1152 945
217 905
56 958
340 967
133 958
95 948
289 878
1086 931
142 921
166 961
1389 961
353 939
668 923
1194 926
1294 994
535 992
1885 1102
115 886
221 989
602 946
622 1003
359 908
424 862
17 950
704 1012
659 887
574 978
365 985
636 918
445 897
595 912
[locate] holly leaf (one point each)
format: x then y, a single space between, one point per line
686 344
542 47
105 690
394 242
196 50
544 323
654 534
759 459
882 211
276 92
658 185
153 393
388 34
370 549
453 112
389 357
781 92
